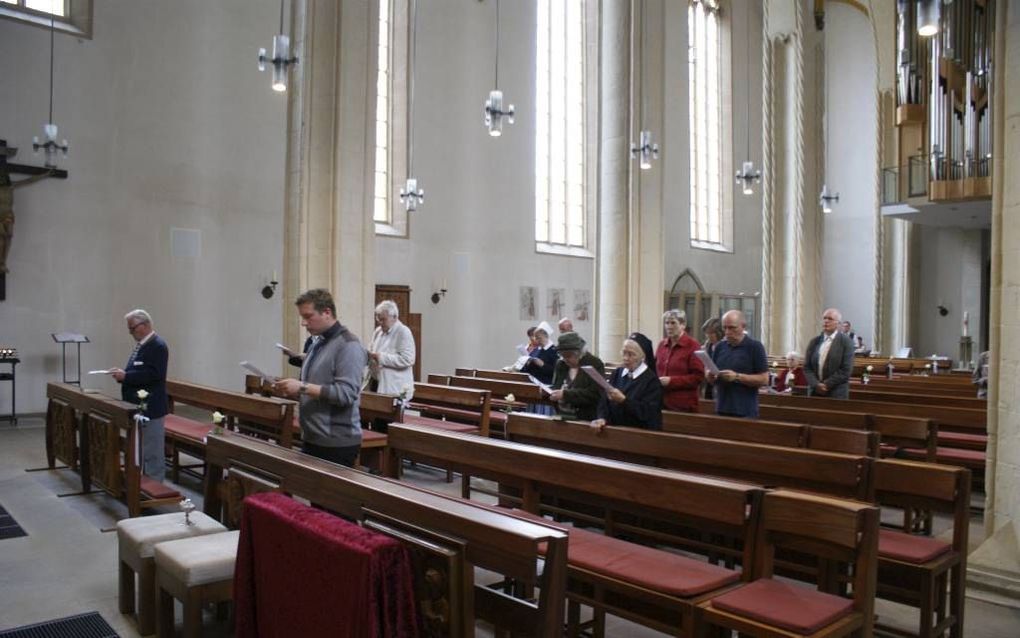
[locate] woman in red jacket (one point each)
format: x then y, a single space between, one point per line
680 372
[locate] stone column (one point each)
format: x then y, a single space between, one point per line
612 270
792 228
994 568
328 230
647 257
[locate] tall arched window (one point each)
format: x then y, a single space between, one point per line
391 117
563 78
711 211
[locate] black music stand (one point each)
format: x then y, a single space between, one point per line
64 338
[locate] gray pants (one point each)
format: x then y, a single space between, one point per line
153 459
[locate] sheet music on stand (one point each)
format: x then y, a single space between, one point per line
64 338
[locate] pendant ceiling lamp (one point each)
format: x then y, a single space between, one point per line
495 112
49 145
281 59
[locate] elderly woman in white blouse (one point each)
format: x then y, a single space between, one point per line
391 353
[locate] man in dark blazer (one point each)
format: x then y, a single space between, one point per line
830 359
146 370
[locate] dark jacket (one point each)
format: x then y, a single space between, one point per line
146 370
685 372
580 396
543 373
643 407
838 365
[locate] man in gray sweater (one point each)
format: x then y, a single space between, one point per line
330 382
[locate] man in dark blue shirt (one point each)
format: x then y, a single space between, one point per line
743 368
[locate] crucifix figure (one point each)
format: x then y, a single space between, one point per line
7 186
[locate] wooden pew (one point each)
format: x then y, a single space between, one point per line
949 418
913 487
835 530
915 570
921 389
896 432
599 574
107 448
814 437
866 393
459 405
445 535
519 377
372 406
843 475
719 507
267 418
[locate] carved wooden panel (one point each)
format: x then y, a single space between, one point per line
443 579
238 485
63 423
104 453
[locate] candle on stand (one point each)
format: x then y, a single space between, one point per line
274 277
966 321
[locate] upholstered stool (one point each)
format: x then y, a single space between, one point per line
195 571
136 538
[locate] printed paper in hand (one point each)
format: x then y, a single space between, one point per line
254 370
707 361
545 388
597 378
287 351
110 371
522 350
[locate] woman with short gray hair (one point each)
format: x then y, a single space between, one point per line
391 353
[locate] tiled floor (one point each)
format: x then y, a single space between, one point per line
66 565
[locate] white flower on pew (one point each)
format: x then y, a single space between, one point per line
187 507
217 417
869 368
510 398
404 391
143 395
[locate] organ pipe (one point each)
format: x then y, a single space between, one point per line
949 74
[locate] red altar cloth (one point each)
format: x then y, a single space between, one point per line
304 572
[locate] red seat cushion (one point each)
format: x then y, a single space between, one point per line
157 490
791 607
186 428
909 548
645 566
413 419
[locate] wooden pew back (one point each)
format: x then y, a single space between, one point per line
526 392
771 433
910 397
948 418
713 426
842 475
541 470
264 417
108 447
464 405
466 535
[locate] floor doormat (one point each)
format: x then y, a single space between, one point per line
9 528
89 625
